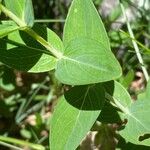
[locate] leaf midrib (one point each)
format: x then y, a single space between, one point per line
83 63
129 114
86 93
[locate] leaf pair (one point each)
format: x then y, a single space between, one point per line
86 56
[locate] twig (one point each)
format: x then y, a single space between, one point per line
10 146
135 44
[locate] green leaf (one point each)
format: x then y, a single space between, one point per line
74 115
148 90
114 90
86 61
22 52
7 80
137 128
23 9
146 94
121 95
109 114
126 80
123 145
25 133
138 125
87 57
83 20
5 29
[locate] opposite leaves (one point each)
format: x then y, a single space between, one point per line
86 58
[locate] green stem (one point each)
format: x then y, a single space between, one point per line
49 20
43 42
31 32
12 16
10 146
140 44
21 143
135 44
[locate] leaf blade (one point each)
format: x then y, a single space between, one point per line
83 20
85 31
6 29
86 61
23 9
74 116
23 53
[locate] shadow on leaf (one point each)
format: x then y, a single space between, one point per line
88 97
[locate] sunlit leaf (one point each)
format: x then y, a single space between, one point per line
137 129
87 48
23 9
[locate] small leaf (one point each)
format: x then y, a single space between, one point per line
23 9
86 61
74 116
137 129
138 125
22 52
87 57
5 29
110 113
121 95
7 80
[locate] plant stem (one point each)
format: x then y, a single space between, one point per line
30 31
135 44
21 142
12 16
140 44
10 146
49 20
43 42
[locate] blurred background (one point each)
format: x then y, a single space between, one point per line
27 100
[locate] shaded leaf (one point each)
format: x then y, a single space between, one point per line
114 90
5 29
123 145
7 80
109 114
74 115
24 53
